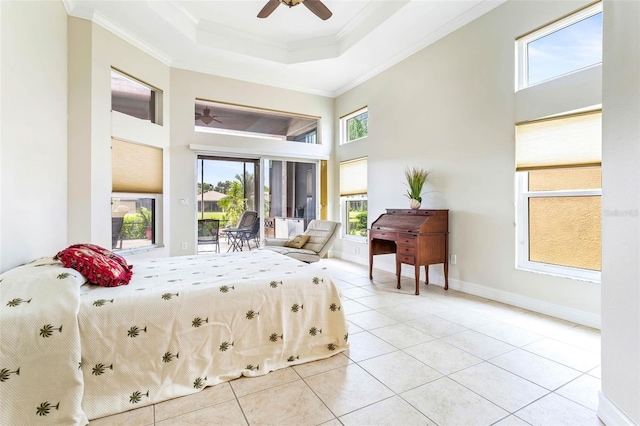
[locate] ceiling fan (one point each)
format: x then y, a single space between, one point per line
315 6
206 118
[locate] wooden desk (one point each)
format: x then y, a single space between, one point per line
417 237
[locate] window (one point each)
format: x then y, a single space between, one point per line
132 97
353 193
354 126
218 117
136 194
565 46
559 189
133 221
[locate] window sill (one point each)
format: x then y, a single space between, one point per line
553 270
354 239
138 250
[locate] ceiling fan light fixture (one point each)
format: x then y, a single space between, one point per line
291 3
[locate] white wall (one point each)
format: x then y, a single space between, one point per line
33 135
186 143
92 52
451 108
620 399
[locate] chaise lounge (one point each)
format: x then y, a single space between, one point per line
310 246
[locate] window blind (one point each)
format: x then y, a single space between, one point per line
136 168
353 177
558 142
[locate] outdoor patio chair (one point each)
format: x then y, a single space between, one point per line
234 235
116 230
251 235
209 232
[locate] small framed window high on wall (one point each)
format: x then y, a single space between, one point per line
354 126
567 45
136 198
134 98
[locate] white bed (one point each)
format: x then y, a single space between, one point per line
183 323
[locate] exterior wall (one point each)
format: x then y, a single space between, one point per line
33 134
621 215
451 108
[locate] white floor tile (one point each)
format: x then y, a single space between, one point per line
539 370
390 412
448 403
436 326
365 345
347 389
507 333
370 319
565 354
583 390
442 356
504 389
554 410
477 344
402 312
290 404
399 371
401 335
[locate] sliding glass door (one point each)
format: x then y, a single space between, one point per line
290 197
285 196
226 188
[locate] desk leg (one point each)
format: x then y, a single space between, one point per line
370 263
446 275
446 262
426 274
417 273
398 266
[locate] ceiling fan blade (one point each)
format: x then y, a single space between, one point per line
268 8
318 8
217 121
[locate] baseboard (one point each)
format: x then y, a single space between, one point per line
610 414
558 311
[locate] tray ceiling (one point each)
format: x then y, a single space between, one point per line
292 48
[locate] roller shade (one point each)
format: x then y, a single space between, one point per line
136 168
568 141
353 177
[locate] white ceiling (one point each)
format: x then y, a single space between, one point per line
292 48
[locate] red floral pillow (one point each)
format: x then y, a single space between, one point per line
96 268
103 251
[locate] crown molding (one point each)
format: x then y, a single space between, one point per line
131 39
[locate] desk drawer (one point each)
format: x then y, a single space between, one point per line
406 250
409 260
407 240
383 235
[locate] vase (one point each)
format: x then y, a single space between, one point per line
414 204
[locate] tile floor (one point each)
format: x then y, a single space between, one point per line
441 358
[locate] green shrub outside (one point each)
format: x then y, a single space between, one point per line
358 223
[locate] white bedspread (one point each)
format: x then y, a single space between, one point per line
184 323
40 382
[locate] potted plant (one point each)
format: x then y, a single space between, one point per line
416 178
146 219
